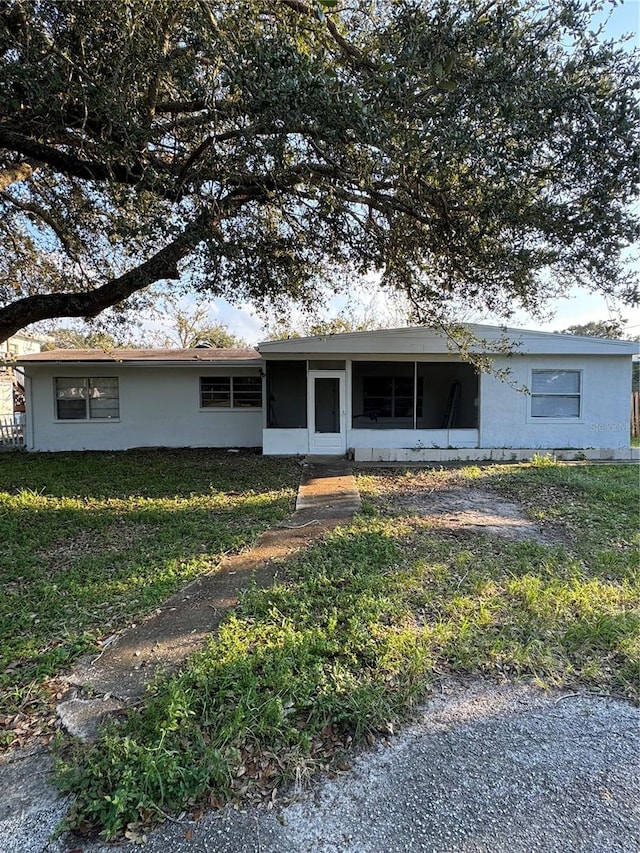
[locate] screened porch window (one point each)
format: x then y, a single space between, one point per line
556 393
87 398
384 395
414 395
387 397
287 394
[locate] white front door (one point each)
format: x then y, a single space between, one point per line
327 412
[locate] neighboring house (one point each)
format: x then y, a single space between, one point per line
10 378
393 394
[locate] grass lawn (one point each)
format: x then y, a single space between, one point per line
92 541
362 623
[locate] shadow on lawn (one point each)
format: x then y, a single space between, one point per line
163 472
343 644
76 569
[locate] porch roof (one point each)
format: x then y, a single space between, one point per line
492 340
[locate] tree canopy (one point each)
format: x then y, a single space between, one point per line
598 329
480 150
180 328
185 327
78 338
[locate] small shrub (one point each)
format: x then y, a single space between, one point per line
548 460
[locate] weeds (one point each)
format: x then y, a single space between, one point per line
91 541
350 638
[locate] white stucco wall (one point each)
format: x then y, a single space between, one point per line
505 419
159 407
398 438
285 442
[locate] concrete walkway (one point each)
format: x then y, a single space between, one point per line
118 676
327 496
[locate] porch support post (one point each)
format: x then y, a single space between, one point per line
415 395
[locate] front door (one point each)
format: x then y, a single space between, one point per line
327 420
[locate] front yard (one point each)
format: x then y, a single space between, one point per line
90 542
539 581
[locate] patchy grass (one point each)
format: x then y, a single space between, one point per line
92 541
346 643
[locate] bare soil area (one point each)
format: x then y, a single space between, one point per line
451 502
477 511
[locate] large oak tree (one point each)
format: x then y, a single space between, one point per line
483 150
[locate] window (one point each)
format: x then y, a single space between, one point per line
86 398
215 392
230 392
383 395
327 364
388 397
555 393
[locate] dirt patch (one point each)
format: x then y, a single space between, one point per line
452 501
473 510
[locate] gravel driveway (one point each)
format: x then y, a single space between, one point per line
501 768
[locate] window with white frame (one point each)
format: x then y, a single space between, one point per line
556 393
87 398
230 392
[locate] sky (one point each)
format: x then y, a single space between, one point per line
577 307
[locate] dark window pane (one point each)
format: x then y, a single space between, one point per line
555 406
247 392
555 382
71 398
328 364
69 410
104 398
403 407
215 392
403 386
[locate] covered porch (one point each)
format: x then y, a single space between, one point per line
335 405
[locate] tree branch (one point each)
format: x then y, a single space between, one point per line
88 170
162 265
48 218
16 172
351 53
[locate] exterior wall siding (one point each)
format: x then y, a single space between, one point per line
410 438
159 407
505 419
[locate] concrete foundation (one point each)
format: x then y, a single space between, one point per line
490 454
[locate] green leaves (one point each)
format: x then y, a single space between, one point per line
478 151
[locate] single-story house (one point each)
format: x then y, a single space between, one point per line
394 394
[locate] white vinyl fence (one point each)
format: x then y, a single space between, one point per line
12 430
